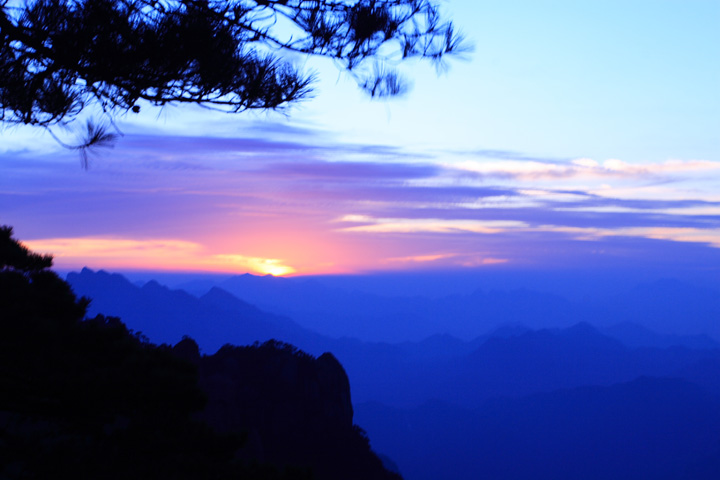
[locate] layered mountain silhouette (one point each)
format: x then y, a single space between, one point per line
508 361
531 362
338 312
335 309
634 335
88 398
578 401
165 316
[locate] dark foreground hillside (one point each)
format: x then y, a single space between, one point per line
86 398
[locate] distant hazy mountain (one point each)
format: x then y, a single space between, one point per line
667 306
166 315
510 361
653 428
573 401
535 361
634 335
338 312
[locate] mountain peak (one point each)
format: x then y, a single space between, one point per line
222 298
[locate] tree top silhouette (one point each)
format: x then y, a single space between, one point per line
16 257
58 57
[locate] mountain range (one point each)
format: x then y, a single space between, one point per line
615 400
340 308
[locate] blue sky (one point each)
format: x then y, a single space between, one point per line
576 133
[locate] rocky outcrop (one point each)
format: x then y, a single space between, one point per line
88 398
294 408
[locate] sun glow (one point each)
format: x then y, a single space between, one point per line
271 266
162 254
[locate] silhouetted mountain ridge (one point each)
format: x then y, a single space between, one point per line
634 335
370 317
464 387
166 315
667 306
511 360
88 398
531 362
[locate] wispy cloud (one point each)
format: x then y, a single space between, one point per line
710 237
427 225
167 254
421 258
444 260
114 249
367 171
583 168
297 202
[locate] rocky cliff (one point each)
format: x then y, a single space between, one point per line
295 408
88 398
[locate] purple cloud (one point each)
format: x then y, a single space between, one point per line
358 171
203 189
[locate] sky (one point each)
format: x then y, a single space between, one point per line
575 135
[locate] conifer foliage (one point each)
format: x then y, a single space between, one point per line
59 56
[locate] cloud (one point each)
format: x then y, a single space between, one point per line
167 254
593 230
368 171
282 129
510 155
710 237
242 152
282 204
421 258
580 169
424 225
93 248
444 260
475 261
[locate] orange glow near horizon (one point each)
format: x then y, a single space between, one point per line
154 254
292 253
303 255
304 252
266 266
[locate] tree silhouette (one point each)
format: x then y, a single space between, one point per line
81 396
16 257
57 57
88 398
